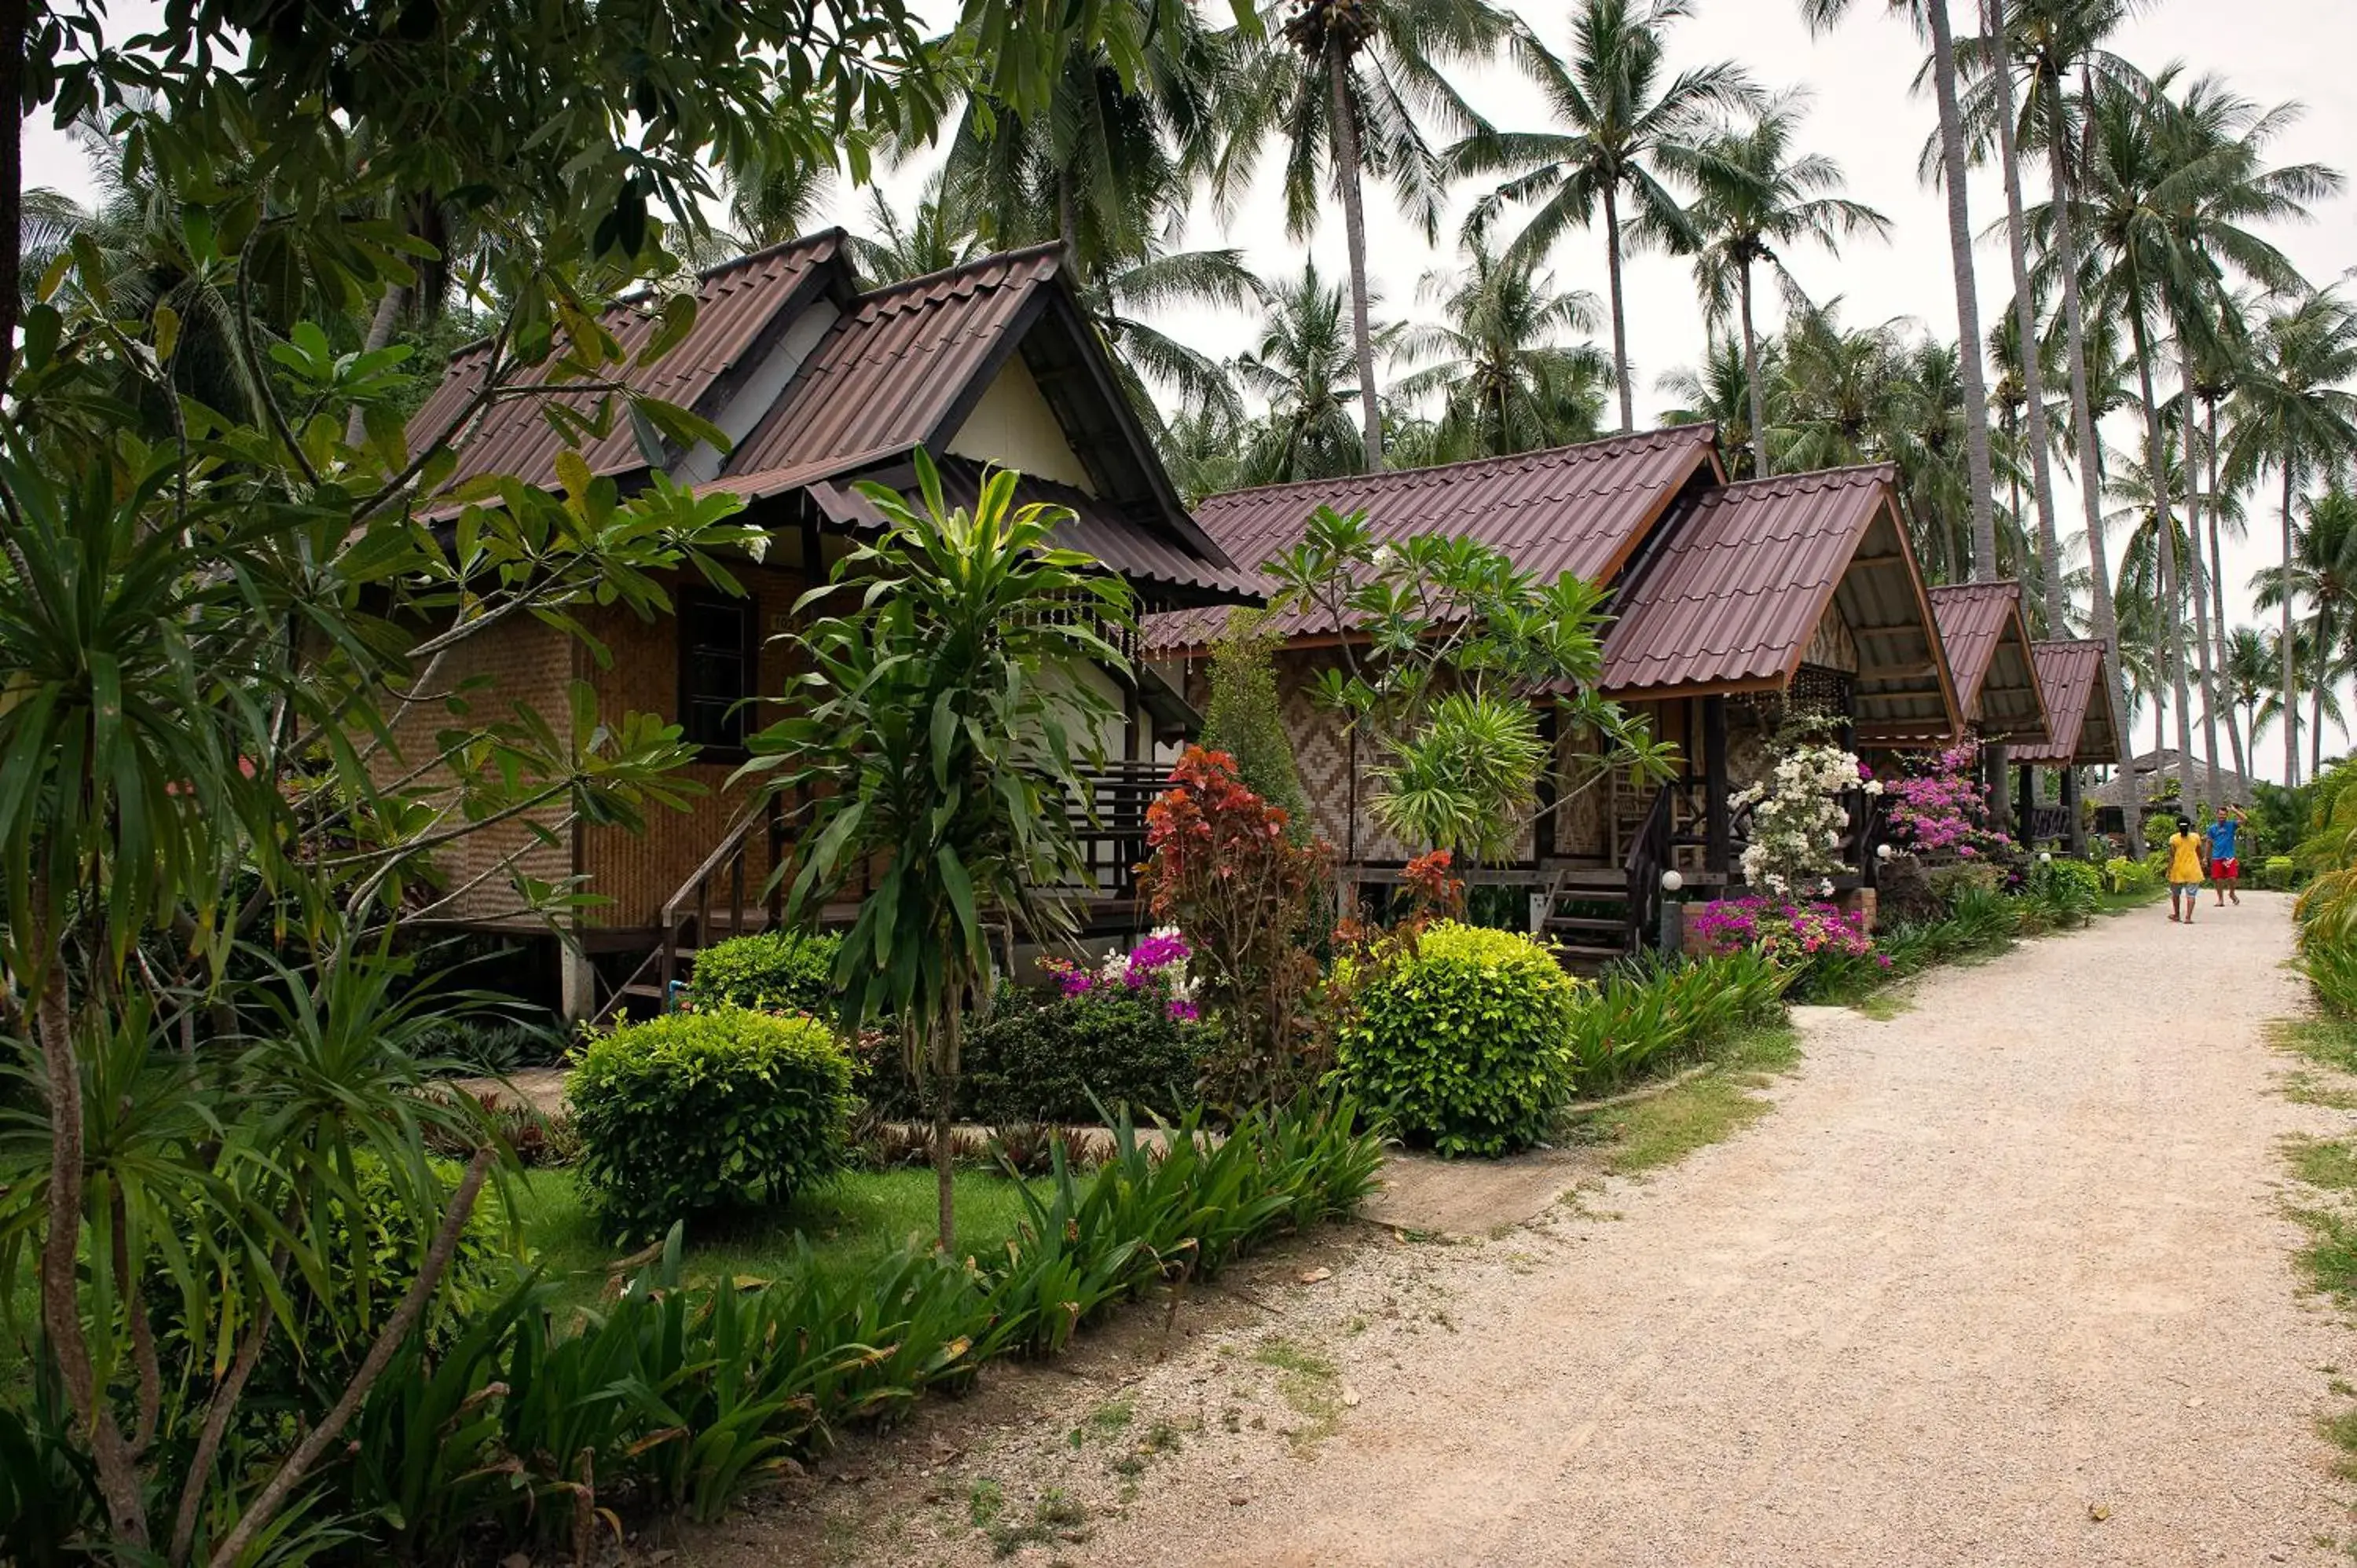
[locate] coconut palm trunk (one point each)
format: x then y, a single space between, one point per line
2290 653
2172 603
2025 321
2082 419
1968 309
2218 592
2203 572
1354 232
1757 394
1619 318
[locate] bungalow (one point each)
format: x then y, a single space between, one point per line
1989 657
1732 605
2082 731
819 383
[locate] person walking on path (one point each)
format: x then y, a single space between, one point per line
2185 872
2225 863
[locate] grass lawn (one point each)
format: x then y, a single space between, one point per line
858 1218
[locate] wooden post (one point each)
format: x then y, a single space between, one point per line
2000 807
2029 788
1717 836
2078 829
1543 832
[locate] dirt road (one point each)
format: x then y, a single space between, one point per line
2002 1281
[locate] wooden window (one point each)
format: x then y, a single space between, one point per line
719 670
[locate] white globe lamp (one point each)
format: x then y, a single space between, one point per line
1672 881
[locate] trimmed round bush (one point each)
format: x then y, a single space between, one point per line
1466 1045
774 970
693 1112
1039 1058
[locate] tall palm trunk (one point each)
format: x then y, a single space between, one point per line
2024 322
2218 591
2316 729
1758 396
1619 319
2202 571
1968 308
2290 660
2172 603
2082 419
1354 231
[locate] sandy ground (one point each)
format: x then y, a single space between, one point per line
2002 1281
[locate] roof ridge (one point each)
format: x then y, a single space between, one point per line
834 236
1658 434
922 280
1845 474
1977 585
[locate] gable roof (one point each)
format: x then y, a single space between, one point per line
1988 643
2152 773
1583 510
2078 691
737 303
1745 573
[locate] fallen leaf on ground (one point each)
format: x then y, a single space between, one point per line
1311 1276
1349 1396
2098 1513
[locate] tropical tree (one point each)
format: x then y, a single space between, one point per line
936 236
1302 370
2293 413
1718 392
2320 576
1756 199
1837 387
1505 383
948 720
1617 115
1931 16
2252 673
1345 84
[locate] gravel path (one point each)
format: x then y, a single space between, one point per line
2003 1280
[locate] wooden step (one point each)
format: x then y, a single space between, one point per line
1584 923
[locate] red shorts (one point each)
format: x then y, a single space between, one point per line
2225 870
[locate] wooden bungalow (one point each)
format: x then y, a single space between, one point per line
2081 733
1997 690
1733 604
819 383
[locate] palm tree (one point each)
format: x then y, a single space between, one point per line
1754 196
2216 370
1341 81
1932 17
2169 189
1506 383
2055 43
2321 574
2250 671
1302 369
1718 392
2294 413
1616 119
1838 388
2025 337
937 236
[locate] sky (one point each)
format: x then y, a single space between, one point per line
1860 112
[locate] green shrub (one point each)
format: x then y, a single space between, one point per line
2277 871
2122 874
788 972
1952 881
488 1045
1040 1057
1466 1044
2331 968
1644 1015
2058 895
696 1112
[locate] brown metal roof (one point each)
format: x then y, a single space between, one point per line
1742 577
891 372
1988 643
735 303
1582 510
2078 691
1123 544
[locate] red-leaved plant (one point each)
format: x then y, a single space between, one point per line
1250 903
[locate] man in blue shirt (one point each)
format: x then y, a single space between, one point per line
2225 867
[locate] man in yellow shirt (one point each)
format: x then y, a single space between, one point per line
2185 871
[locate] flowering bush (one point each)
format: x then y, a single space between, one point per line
1798 823
1782 930
1937 807
1250 901
1157 966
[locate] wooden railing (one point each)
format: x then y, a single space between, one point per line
1649 856
1110 822
691 917
2049 823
